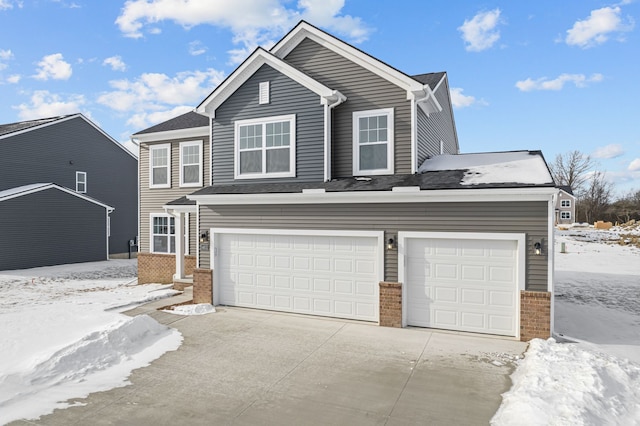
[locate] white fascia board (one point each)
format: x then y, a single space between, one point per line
258 58
192 132
428 102
30 189
566 193
177 208
359 197
304 30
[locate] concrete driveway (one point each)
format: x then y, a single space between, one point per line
241 366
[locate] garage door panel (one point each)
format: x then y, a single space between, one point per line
458 284
321 275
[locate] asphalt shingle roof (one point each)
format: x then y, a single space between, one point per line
432 78
185 121
5 129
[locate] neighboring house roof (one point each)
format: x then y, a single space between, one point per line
432 79
565 188
258 58
13 129
188 120
23 190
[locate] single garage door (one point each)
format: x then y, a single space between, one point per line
460 284
328 275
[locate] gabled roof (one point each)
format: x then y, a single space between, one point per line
431 79
258 58
188 120
415 88
23 190
14 129
565 188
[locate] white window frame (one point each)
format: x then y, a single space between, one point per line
182 164
565 203
152 249
152 148
565 215
81 182
263 121
356 142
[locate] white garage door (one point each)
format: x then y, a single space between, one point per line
334 276
466 285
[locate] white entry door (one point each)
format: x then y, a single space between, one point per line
462 284
319 274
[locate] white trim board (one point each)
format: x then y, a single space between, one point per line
192 132
37 187
521 248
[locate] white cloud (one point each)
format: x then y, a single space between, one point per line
5 55
115 62
46 104
634 166
53 66
480 32
609 151
579 80
151 95
8 4
13 79
598 27
252 22
458 100
197 48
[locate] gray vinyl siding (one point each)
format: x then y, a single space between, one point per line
286 97
152 199
51 227
436 127
509 217
54 153
364 91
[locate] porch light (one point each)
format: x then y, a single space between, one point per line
538 248
204 237
391 244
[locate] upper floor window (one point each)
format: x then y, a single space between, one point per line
265 147
191 163
373 142
81 182
565 203
160 166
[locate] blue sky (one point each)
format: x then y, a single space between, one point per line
549 75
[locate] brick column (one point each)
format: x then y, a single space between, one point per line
390 304
202 286
156 268
535 315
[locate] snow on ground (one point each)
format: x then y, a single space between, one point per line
63 336
596 379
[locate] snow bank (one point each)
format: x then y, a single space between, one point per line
197 309
100 361
496 167
563 384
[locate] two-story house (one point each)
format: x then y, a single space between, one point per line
565 206
336 189
68 193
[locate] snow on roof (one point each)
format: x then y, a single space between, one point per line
523 167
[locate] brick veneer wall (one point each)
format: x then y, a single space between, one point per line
535 315
390 304
159 268
202 286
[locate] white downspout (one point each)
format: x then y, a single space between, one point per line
328 107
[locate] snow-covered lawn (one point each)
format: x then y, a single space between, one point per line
62 334
596 380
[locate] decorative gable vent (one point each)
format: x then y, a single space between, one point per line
264 93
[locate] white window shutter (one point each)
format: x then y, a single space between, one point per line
264 93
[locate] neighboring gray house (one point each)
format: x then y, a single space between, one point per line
565 206
336 189
68 153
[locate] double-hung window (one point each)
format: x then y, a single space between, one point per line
265 147
191 163
160 166
81 182
163 234
373 142
565 203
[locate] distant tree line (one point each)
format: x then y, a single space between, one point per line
594 194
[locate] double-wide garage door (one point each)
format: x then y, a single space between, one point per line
328 275
462 284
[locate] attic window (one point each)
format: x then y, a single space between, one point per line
263 97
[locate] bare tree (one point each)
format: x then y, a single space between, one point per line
571 169
595 198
